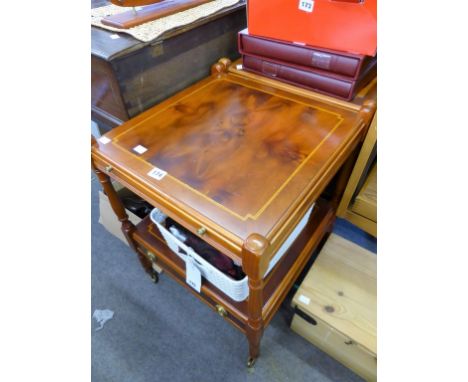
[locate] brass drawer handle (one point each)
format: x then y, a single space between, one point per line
221 311
201 231
109 168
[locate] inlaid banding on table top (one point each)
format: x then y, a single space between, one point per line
236 146
243 83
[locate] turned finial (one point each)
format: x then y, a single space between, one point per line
367 109
256 243
255 259
225 61
221 66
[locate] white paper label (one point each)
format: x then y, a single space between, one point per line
306 5
140 149
104 140
239 67
304 299
193 275
157 173
114 36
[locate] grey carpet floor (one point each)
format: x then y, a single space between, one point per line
160 332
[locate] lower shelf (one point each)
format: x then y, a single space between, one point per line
276 284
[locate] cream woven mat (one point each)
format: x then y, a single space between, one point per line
153 29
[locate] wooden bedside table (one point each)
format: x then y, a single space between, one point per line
238 161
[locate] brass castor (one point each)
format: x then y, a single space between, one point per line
155 277
251 362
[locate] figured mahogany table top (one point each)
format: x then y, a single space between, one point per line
241 157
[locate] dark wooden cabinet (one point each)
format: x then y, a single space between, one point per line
242 160
129 76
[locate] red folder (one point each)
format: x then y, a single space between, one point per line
316 80
344 25
332 61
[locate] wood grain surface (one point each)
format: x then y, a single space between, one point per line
229 141
365 203
342 288
105 91
240 162
340 347
240 156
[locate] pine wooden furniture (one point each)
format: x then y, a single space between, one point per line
240 161
365 203
129 76
359 202
336 305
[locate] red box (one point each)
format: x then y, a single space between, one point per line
345 25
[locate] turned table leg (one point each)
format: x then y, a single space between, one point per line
127 226
255 264
255 323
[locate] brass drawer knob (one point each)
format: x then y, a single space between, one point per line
201 231
151 256
109 168
221 311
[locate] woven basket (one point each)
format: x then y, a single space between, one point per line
238 290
